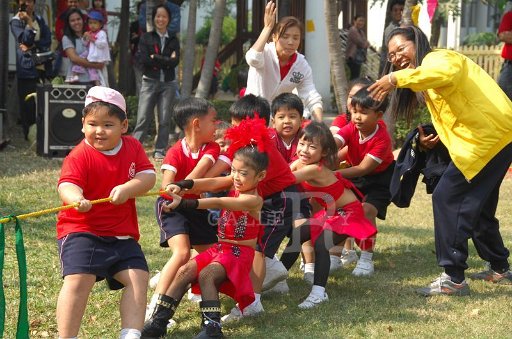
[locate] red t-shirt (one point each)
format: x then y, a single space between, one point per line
377 145
340 121
283 70
506 25
279 176
97 173
289 152
181 161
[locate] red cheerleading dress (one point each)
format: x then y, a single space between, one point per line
236 259
348 220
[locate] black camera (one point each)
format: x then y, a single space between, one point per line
23 7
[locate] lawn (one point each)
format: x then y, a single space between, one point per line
383 305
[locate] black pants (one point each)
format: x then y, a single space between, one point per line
355 69
27 108
466 209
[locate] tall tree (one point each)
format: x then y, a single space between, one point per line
189 50
406 17
336 57
205 81
124 38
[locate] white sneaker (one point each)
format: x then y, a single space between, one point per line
154 280
276 272
335 264
348 257
252 310
313 301
364 268
309 277
195 298
280 288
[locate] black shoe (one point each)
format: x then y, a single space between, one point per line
210 323
156 325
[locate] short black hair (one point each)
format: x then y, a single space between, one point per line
288 101
248 105
187 109
363 99
255 159
321 132
113 110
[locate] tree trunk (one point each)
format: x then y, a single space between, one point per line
435 31
336 57
406 17
205 81
124 48
284 8
150 4
4 65
189 50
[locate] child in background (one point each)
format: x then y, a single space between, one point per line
101 242
98 51
189 158
287 110
224 267
220 131
277 214
339 212
99 6
344 255
371 160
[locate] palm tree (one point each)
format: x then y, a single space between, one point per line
406 17
212 49
189 51
337 58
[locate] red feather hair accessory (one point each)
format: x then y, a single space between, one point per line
250 132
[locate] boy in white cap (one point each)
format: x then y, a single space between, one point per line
100 242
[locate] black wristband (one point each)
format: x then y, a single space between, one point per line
185 184
187 204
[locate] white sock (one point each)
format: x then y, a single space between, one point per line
257 298
318 290
367 256
129 333
309 268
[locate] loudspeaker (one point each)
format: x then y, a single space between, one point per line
59 118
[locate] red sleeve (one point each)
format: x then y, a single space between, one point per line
340 121
172 157
506 23
212 150
74 168
345 132
143 163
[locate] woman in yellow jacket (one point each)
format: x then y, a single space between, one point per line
473 119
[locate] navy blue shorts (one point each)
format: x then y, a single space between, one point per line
196 223
376 189
101 256
278 213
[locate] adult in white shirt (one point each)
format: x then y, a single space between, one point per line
276 67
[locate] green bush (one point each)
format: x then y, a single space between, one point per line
228 31
481 39
222 108
422 116
132 103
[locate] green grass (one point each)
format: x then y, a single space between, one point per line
383 305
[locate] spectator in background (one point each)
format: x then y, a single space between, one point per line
135 33
31 35
159 53
505 35
174 25
99 6
61 19
356 46
74 46
83 5
395 12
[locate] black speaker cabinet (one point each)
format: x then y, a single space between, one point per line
59 118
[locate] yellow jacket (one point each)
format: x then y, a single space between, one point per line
470 112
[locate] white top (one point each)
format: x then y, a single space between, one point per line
264 78
99 50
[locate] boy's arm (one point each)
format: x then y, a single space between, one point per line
203 185
70 193
140 184
367 166
217 169
201 168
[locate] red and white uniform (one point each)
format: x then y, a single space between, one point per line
506 25
288 151
236 259
348 220
97 173
182 161
340 121
377 145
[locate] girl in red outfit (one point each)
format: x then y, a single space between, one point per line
224 267
339 213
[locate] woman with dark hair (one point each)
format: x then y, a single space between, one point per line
276 67
357 45
473 119
159 54
73 45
